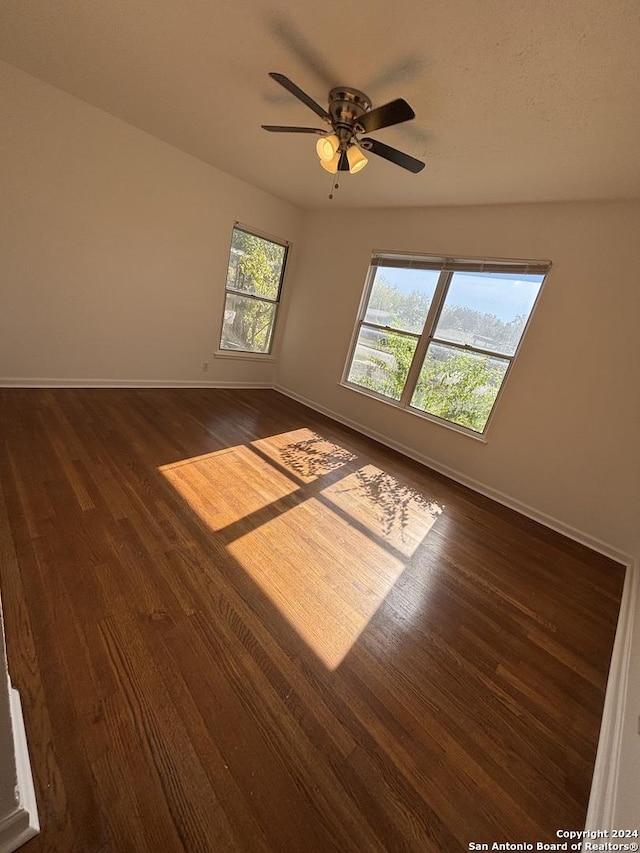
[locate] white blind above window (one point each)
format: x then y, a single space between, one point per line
494 265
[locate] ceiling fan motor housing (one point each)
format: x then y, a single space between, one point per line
346 106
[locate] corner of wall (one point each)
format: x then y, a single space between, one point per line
18 809
21 823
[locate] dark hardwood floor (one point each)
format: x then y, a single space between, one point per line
237 626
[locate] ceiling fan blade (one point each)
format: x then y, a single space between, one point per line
395 112
302 96
393 155
343 163
278 128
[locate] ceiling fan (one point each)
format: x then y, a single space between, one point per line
349 115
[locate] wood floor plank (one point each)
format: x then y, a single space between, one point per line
238 626
48 776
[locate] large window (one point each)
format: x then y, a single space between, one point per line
252 293
437 336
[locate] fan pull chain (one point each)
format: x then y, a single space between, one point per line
334 186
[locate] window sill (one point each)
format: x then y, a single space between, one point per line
417 413
247 356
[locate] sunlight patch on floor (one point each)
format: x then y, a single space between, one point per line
397 513
325 577
226 486
304 453
323 539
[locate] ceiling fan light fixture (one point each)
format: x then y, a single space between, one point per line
356 158
331 165
327 147
349 114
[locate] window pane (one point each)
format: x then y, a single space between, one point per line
488 310
255 265
381 361
248 324
400 298
458 385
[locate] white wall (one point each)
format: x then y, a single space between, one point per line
113 246
564 439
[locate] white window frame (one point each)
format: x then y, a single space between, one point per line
446 266
254 354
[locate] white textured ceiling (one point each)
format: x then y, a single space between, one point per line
515 100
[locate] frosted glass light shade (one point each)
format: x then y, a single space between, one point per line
331 165
356 159
327 146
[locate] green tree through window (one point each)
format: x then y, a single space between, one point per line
438 336
254 282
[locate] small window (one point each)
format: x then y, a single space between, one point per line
252 292
438 336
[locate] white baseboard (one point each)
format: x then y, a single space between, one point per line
604 788
48 382
22 823
567 530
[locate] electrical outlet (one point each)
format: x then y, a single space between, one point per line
205 366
